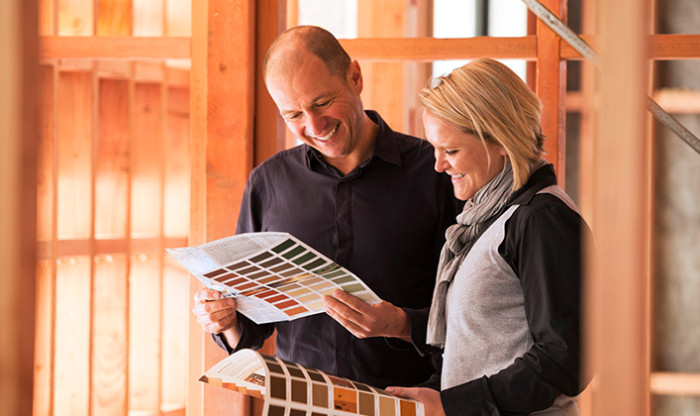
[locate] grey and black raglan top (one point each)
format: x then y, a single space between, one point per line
512 342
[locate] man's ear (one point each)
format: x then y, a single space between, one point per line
354 77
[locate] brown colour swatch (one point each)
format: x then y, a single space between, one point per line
407 408
345 399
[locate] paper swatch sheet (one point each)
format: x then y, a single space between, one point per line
294 390
273 276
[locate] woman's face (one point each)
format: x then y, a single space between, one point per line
463 156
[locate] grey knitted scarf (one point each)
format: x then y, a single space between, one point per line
459 239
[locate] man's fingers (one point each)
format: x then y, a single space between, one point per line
205 294
216 326
350 300
214 305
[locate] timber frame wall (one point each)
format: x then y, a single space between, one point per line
227 138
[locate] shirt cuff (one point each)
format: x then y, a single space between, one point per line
418 321
469 399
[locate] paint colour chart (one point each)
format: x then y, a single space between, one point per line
273 276
290 389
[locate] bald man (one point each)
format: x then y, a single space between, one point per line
363 195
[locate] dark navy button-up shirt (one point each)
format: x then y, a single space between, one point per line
384 221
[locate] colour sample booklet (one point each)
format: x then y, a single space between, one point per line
273 276
290 389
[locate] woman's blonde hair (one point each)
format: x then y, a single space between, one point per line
487 99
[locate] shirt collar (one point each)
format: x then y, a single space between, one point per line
540 179
385 146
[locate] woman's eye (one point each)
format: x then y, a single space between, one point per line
450 152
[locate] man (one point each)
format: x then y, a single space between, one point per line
357 192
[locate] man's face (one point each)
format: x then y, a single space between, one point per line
322 110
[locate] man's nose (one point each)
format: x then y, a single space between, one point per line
315 125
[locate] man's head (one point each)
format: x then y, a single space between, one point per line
316 88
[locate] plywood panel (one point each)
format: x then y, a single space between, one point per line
147 161
109 335
114 17
112 164
72 364
176 311
145 297
178 17
75 136
176 209
75 17
149 18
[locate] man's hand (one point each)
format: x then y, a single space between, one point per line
217 314
364 320
429 397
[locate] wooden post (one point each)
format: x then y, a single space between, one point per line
617 280
271 20
222 103
18 131
551 88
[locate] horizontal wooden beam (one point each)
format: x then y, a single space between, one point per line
673 101
430 49
68 248
662 47
675 384
122 47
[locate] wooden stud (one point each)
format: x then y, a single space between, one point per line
46 233
269 127
616 295
18 162
223 57
551 88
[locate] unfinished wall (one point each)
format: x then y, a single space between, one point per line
676 290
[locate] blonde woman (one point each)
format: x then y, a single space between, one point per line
505 308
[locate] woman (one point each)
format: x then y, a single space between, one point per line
506 304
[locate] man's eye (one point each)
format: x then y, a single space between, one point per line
323 104
292 116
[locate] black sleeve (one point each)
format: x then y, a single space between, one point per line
543 246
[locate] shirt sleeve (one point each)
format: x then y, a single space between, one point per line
252 335
449 207
543 246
